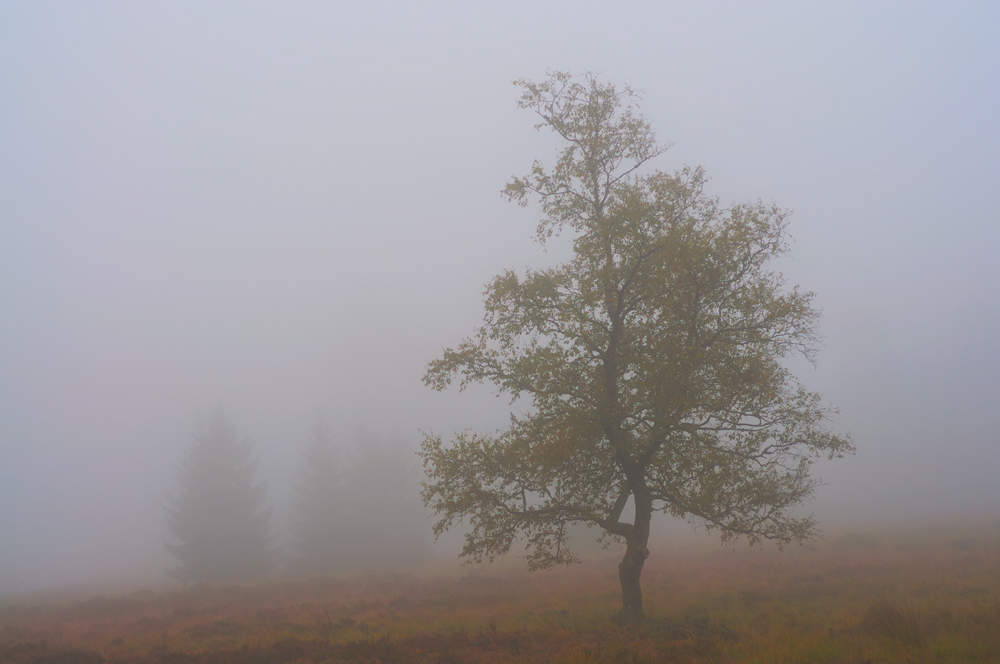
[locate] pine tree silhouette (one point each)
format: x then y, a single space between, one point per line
385 518
319 532
219 516
362 514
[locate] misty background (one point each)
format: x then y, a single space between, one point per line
290 208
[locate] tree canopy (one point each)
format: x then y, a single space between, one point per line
651 362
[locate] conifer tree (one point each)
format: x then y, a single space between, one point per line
385 519
319 527
219 515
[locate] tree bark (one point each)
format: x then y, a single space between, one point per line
630 568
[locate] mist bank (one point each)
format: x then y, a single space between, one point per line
292 209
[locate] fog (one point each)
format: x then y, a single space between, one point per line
289 209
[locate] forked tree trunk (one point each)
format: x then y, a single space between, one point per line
630 568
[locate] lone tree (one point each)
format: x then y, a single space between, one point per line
651 361
319 528
219 514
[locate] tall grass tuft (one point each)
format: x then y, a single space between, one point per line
902 624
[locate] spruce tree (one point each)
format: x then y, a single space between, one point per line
385 518
219 515
318 529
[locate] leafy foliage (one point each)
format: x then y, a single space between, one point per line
651 361
219 516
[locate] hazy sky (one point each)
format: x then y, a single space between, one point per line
289 208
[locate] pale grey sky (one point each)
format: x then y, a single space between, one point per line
290 208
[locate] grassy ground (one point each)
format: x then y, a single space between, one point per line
921 596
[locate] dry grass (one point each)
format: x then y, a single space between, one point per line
918 597
902 624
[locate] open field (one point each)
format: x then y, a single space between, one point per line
931 595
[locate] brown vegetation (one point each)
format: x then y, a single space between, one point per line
928 596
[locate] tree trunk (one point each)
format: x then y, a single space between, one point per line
630 568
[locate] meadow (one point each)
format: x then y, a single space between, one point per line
924 595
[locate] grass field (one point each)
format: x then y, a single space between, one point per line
931 595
